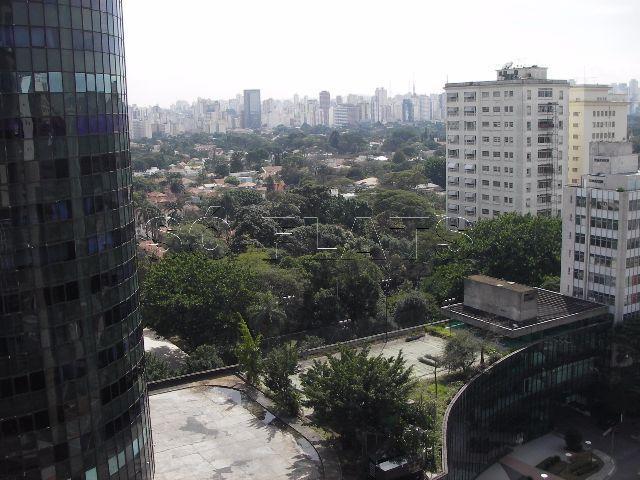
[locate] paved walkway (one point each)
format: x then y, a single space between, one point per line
524 458
201 432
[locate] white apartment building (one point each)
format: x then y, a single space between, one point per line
506 145
601 231
596 115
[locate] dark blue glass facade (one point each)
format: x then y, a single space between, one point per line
514 401
73 402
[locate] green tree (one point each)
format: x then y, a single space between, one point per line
234 200
279 365
249 353
236 162
460 352
195 238
266 315
399 157
157 368
435 169
355 394
232 181
174 180
203 358
412 309
334 139
197 298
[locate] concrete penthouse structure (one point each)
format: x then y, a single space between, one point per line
73 396
601 231
596 115
506 145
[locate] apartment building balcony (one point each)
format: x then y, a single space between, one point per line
452 97
470 97
469 168
470 126
469 139
453 167
545 169
546 108
453 125
469 111
470 182
453 139
470 211
544 199
470 155
453 111
470 197
453 208
453 153
545 124
453 195
453 181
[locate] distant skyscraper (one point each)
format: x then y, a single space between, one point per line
252 110
73 402
379 106
407 111
325 106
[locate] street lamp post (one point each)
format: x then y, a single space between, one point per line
587 444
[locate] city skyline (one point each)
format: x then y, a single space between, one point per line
214 59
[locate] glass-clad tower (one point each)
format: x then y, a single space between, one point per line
73 401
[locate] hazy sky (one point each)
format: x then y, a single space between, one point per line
216 48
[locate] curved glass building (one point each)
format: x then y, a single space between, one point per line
73 401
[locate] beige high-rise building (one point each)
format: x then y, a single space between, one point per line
595 115
506 145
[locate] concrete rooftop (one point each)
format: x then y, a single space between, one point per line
215 433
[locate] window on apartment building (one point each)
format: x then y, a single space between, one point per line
496 154
496 109
485 109
485 168
485 183
486 139
496 184
485 94
545 92
485 211
485 124
561 95
496 94
528 94
496 124
496 169
485 197
528 109
529 126
485 153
